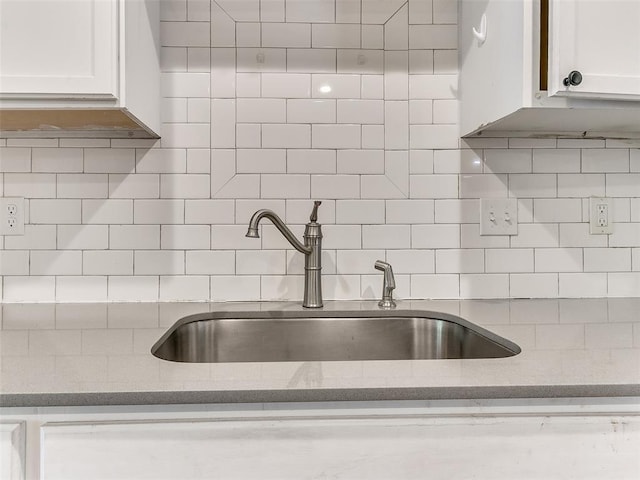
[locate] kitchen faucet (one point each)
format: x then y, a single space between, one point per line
312 250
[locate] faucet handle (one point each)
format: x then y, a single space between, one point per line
388 285
313 218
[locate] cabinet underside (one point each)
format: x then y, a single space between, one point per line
65 123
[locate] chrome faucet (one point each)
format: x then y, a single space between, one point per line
388 284
312 250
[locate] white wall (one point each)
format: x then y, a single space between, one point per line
247 124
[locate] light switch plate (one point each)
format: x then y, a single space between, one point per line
498 216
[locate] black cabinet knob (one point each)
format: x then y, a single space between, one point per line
574 78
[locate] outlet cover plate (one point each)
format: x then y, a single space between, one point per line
600 216
11 216
498 216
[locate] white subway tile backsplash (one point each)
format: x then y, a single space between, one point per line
335 35
536 235
445 12
435 37
396 129
635 159
507 161
230 288
250 110
565 160
490 285
581 185
19 160
286 85
516 260
583 285
132 289
311 111
577 235
625 235
109 262
14 262
184 34
309 60
273 103
134 237
286 136
158 211
83 237
533 285
434 186
435 236
557 210
607 259
81 289
360 111
558 259
77 185
360 61
184 288
184 237
107 211
459 261
483 186
435 286
420 12
43 160
335 186
293 35
605 160
360 212
159 262
336 136
208 262
621 184
536 185
30 185
134 186
623 284
55 211
311 161
335 86
470 238
289 186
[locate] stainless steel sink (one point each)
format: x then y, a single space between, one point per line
284 336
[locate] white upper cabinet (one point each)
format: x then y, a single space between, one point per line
601 41
54 48
79 68
550 68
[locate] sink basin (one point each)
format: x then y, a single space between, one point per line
285 336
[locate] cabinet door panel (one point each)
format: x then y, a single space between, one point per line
12 451
404 447
58 48
601 40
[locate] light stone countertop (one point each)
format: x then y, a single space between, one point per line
99 354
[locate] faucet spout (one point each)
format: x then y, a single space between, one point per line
252 231
312 250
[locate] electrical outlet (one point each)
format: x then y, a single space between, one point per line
11 216
498 216
600 216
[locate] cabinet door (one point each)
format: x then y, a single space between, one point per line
525 447
12 450
601 40
58 48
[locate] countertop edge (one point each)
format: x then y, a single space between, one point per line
314 395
